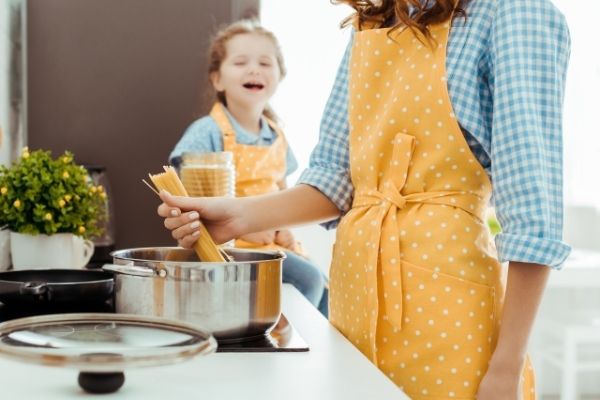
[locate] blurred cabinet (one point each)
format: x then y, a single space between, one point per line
116 82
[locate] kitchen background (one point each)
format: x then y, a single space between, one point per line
117 81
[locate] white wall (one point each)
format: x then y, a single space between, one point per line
582 99
312 45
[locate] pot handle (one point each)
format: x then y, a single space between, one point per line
129 270
33 289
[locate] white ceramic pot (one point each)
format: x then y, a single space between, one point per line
61 250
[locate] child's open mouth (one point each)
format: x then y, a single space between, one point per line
254 86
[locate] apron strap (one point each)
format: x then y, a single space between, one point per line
218 114
278 131
227 131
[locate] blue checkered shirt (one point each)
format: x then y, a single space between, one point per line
506 68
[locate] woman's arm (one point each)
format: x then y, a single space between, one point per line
228 218
524 290
525 286
299 205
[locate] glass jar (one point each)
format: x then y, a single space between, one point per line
208 174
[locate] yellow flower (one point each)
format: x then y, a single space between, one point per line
100 188
103 195
68 197
66 159
4 190
81 229
17 203
65 175
61 203
93 189
48 217
25 153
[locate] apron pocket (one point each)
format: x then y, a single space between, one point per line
450 325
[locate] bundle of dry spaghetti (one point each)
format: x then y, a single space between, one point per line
205 247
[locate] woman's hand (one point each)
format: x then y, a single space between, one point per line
223 217
265 237
286 239
502 381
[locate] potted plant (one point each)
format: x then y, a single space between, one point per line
51 207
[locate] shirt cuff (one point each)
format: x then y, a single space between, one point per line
333 184
550 252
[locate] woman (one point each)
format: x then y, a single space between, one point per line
434 102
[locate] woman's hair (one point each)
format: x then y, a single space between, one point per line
218 51
401 14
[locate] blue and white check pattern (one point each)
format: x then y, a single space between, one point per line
506 68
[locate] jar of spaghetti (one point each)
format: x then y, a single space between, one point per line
208 174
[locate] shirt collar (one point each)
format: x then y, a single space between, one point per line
266 134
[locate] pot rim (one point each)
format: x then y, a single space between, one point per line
275 255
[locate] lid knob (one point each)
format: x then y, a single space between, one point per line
101 382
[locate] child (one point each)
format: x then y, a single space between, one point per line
245 68
434 102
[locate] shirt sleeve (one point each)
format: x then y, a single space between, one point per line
529 54
329 167
202 136
291 162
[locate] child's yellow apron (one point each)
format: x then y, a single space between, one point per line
258 169
415 282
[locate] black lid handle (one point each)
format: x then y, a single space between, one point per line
101 382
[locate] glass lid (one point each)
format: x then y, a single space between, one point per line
102 342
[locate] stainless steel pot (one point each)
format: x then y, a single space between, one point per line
235 301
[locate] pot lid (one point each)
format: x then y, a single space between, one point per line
102 342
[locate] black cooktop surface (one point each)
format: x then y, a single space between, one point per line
283 337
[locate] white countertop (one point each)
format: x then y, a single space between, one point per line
332 369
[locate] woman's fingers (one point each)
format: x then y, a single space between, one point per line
185 219
184 203
167 211
184 226
218 215
189 240
184 230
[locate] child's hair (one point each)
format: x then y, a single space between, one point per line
422 15
218 51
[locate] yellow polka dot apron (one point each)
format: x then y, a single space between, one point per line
415 283
258 169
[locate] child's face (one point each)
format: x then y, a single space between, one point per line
249 74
